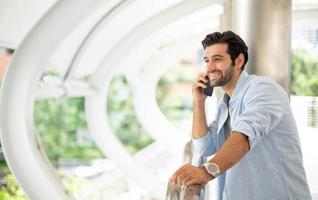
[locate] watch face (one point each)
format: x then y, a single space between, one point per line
213 169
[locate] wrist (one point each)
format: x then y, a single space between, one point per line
207 175
212 168
198 104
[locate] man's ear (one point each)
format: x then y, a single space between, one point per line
239 61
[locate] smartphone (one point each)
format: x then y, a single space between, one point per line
208 90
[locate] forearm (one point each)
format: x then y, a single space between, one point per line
233 150
199 125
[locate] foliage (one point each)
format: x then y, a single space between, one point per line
73 184
57 122
10 190
176 107
304 73
122 116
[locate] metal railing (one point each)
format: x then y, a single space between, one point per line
193 192
176 192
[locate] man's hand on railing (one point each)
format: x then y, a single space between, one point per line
190 175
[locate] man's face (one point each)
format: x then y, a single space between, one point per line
218 64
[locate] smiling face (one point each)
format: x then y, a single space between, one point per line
219 66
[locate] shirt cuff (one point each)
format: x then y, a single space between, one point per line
204 145
246 129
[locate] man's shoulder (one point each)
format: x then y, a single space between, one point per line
257 82
260 79
263 85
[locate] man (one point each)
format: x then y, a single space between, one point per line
254 138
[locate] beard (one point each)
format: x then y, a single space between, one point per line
220 79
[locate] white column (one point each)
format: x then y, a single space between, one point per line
266 27
18 134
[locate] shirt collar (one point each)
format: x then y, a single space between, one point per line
239 87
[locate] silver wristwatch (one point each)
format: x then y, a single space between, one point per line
212 169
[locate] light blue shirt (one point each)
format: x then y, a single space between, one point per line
273 168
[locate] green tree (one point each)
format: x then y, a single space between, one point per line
175 107
304 73
57 121
122 116
10 190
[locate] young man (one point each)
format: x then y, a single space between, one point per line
254 138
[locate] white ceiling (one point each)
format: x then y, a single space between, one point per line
19 16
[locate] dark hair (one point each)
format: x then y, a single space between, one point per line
235 44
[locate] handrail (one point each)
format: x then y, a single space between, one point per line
192 192
176 192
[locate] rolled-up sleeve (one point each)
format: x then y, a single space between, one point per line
206 145
263 109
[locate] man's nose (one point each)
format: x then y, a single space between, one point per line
210 66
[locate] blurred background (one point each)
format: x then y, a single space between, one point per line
96 96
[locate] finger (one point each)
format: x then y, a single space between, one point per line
194 188
179 181
193 181
177 173
201 75
197 177
186 174
183 178
202 78
173 179
175 176
199 84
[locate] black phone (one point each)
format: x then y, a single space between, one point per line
208 90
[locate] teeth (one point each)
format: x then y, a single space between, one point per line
214 75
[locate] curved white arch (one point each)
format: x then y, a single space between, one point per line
144 77
191 25
144 95
111 30
143 32
47 184
21 148
67 52
114 8
97 121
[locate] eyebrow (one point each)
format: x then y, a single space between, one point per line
214 56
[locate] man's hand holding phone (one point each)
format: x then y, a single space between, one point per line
202 88
208 90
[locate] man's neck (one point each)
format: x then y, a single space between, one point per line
230 86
